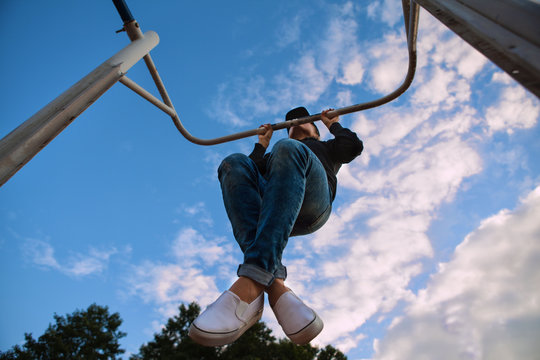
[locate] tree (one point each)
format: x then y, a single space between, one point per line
93 335
89 335
257 343
173 341
331 353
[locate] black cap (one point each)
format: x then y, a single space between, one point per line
297 113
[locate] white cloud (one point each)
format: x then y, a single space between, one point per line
199 211
503 78
444 88
454 53
388 11
194 209
516 109
305 79
95 262
189 276
190 247
482 304
169 285
371 264
289 31
344 98
41 253
353 72
389 62
392 126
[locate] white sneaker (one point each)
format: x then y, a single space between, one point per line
225 320
299 322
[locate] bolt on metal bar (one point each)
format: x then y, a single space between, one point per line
410 12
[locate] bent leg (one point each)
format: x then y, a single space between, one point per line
288 168
317 204
242 187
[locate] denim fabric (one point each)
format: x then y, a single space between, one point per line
292 198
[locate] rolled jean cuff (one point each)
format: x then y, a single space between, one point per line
256 274
281 273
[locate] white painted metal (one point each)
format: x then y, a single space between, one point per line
145 94
130 55
23 143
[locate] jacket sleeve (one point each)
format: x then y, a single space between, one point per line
257 155
346 145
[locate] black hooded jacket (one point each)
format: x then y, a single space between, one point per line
343 149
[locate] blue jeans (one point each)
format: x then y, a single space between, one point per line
292 198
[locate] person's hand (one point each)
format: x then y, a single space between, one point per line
264 139
328 122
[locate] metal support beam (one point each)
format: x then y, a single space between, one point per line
146 95
505 31
23 143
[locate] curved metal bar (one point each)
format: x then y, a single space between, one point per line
410 14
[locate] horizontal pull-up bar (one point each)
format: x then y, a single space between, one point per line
23 143
410 14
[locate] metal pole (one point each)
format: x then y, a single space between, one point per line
23 143
505 31
123 10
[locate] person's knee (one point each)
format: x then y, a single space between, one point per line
287 146
288 149
232 162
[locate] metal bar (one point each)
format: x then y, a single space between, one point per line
506 32
411 10
24 142
123 10
145 94
134 32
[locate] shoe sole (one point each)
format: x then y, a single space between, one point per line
205 338
308 333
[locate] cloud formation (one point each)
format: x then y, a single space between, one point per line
514 110
482 304
42 254
309 74
417 157
196 263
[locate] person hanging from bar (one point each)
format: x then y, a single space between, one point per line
269 198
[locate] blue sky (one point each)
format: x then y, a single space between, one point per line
433 245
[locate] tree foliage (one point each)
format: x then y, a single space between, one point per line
257 343
91 334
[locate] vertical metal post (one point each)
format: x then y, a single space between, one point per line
23 143
505 31
123 10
